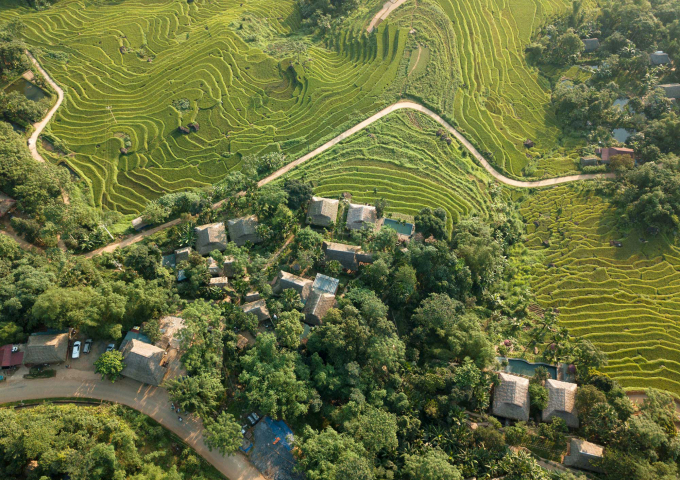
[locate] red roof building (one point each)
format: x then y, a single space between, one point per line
10 359
608 152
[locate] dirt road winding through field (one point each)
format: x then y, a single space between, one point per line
38 127
401 105
151 401
388 7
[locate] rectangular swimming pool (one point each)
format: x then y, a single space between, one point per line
401 228
522 367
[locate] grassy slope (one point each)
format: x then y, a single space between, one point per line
499 100
622 299
245 100
401 158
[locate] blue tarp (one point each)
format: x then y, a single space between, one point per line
274 460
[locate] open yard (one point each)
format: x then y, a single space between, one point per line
622 299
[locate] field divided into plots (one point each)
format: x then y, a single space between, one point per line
137 70
499 100
625 300
400 158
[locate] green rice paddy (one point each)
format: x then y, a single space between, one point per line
622 299
477 76
140 69
401 158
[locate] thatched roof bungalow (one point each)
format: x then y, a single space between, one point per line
659 58
259 308
322 211
46 348
244 229
591 44
182 254
584 455
345 254
194 126
170 326
287 280
228 266
317 306
561 402
214 269
672 90
183 130
143 362
361 216
511 397
212 236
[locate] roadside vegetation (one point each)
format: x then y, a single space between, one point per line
93 443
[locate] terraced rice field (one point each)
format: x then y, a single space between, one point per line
400 158
137 70
496 99
623 299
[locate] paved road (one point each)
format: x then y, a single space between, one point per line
384 12
151 401
40 126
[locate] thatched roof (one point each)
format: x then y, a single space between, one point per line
229 266
46 348
511 397
591 44
324 283
143 362
672 90
317 306
583 455
561 402
322 211
252 296
222 282
211 237
361 216
244 229
183 129
659 58
214 269
170 327
287 280
182 254
345 254
259 308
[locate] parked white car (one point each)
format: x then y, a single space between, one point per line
76 350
